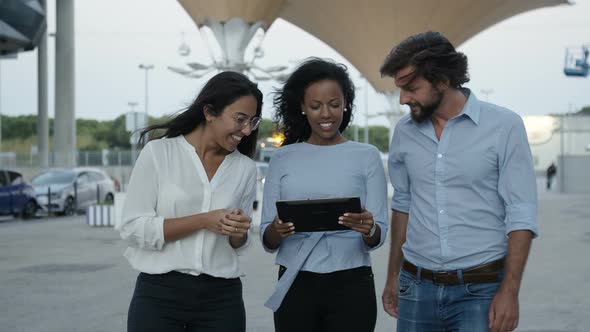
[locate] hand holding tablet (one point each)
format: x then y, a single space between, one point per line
317 215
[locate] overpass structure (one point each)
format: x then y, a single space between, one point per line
22 24
23 27
362 32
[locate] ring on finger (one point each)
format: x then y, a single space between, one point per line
236 229
361 221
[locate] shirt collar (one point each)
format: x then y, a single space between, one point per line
185 144
472 107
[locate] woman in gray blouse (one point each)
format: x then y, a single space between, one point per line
325 279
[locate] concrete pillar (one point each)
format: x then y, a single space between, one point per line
366 93
65 115
42 117
0 104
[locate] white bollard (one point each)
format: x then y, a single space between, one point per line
100 215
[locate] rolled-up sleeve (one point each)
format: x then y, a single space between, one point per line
517 183
376 200
140 226
398 175
247 203
271 194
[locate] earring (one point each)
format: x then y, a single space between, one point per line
303 113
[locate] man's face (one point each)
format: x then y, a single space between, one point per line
418 93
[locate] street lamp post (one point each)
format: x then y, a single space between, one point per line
134 126
146 68
42 100
0 111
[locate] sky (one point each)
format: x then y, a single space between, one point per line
517 63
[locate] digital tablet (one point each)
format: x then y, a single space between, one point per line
317 215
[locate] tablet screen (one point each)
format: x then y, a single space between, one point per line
317 215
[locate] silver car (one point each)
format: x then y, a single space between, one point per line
67 191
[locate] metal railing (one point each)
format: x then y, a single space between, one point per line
81 158
51 209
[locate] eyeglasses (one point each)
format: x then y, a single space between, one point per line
243 120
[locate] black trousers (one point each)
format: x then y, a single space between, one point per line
339 301
180 302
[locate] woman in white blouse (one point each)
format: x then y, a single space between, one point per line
187 212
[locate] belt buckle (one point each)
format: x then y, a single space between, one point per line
441 278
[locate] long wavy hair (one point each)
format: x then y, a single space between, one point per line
433 57
220 91
287 101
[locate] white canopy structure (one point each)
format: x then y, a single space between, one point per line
365 31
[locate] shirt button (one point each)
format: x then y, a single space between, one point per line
439 155
441 211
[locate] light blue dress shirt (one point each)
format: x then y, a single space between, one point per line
306 171
468 191
302 171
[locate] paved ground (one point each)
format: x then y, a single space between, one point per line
61 275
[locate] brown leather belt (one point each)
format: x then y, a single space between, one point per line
489 272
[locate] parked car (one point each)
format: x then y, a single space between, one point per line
69 190
17 196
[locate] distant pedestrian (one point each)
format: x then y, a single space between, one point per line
551 171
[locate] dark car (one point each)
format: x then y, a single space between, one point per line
17 196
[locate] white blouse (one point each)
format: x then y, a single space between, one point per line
169 181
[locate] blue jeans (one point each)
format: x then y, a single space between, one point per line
424 306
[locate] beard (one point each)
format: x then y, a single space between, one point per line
421 113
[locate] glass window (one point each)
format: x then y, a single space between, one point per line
54 177
82 178
3 181
95 176
14 178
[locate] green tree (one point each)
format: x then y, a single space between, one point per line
18 127
266 129
378 136
349 132
585 110
118 137
19 132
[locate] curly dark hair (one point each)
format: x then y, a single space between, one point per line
287 101
433 57
219 92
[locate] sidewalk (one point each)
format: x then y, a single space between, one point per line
62 275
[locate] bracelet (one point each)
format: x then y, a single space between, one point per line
372 231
